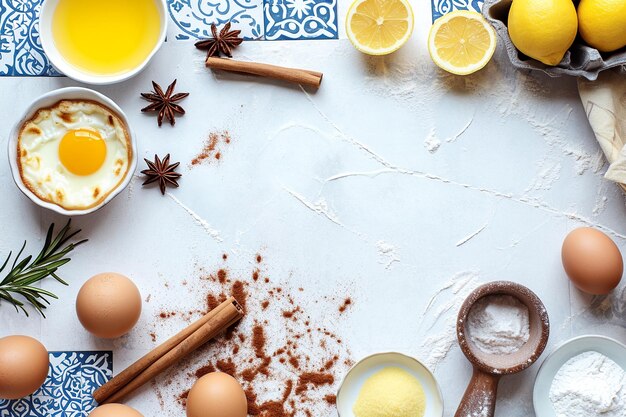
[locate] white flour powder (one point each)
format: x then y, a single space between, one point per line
498 324
589 385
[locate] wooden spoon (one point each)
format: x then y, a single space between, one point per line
480 397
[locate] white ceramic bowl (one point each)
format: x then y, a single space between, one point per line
47 100
359 373
573 347
59 62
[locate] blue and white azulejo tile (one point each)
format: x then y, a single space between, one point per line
193 18
72 379
21 53
300 19
441 7
20 47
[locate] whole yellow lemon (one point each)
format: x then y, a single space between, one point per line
543 29
602 23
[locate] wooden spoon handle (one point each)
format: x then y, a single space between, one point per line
480 396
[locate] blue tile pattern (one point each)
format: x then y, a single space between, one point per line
72 379
300 19
193 18
20 46
21 53
441 7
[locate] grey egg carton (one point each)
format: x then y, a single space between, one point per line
580 60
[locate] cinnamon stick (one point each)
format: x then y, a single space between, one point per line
294 75
170 352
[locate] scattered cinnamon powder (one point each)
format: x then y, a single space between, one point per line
226 366
294 362
240 294
331 399
225 256
313 378
204 370
258 341
346 303
212 302
290 314
182 398
305 358
213 148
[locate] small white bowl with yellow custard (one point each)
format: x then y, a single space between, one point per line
102 42
72 151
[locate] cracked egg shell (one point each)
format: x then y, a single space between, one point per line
23 366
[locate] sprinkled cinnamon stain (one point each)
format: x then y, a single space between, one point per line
213 148
304 356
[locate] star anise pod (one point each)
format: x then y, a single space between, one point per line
164 103
221 43
162 172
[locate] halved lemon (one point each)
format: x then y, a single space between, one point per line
379 27
461 42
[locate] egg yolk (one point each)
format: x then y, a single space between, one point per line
82 151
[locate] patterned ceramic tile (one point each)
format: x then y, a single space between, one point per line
441 7
300 19
21 53
193 18
20 47
72 378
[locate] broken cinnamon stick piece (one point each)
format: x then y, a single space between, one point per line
294 75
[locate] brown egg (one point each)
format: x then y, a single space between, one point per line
217 395
23 366
115 410
108 305
592 261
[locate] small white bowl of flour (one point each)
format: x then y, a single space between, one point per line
584 377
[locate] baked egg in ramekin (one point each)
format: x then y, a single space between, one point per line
72 151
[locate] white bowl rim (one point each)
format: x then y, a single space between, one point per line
547 360
391 353
57 95
47 43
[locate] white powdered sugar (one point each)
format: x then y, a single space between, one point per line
498 324
589 385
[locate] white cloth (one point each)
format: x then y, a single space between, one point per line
604 102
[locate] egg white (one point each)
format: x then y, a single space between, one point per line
38 154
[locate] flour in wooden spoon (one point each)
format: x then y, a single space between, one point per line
498 324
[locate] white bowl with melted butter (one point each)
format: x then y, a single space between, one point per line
102 42
72 151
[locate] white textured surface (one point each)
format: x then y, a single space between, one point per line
341 193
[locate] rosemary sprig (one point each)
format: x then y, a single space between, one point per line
23 274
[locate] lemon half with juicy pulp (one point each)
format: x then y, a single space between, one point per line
461 42
379 27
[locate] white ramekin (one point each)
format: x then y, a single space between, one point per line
46 100
59 62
